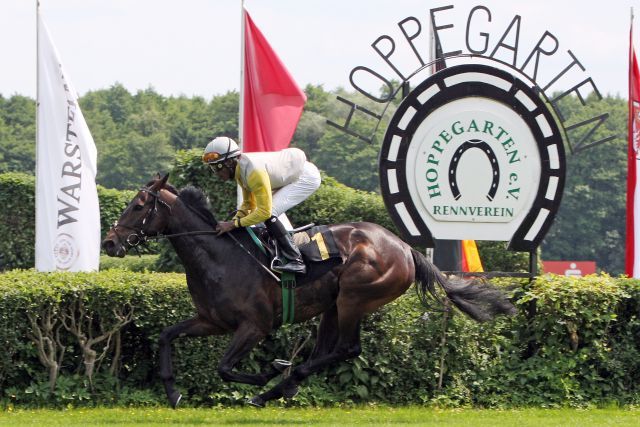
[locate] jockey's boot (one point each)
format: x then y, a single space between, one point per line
288 249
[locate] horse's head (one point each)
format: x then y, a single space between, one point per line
145 216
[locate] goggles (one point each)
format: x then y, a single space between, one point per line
211 157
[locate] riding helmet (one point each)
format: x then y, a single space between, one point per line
220 149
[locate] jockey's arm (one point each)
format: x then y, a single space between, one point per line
259 186
247 206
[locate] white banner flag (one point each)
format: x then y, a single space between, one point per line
67 211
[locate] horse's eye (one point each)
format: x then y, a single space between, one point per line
137 207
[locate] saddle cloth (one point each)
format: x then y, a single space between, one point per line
320 244
317 246
320 254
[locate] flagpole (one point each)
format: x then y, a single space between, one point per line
37 74
37 108
241 103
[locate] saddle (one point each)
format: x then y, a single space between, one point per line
317 245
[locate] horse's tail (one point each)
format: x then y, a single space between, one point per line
478 299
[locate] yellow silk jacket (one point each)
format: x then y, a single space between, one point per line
259 174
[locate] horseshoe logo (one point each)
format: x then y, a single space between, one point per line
453 167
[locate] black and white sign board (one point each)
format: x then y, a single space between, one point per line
473 152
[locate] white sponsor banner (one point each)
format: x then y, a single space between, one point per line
67 211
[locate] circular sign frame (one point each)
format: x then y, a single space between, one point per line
471 81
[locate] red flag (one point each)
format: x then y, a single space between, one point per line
633 192
273 102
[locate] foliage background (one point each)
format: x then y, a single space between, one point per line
17 218
139 134
590 224
574 342
332 203
17 222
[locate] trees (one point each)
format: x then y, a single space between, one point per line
138 135
126 163
590 224
17 134
349 159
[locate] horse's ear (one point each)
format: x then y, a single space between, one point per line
159 182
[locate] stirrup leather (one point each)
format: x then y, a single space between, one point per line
278 262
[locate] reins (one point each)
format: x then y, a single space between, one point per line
186 233
142 237
193 233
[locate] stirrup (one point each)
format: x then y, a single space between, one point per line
275 263
280 364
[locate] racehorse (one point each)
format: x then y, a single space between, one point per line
232 297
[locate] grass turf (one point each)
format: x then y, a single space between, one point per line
321 417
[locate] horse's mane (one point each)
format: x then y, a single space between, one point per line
167 186
195 199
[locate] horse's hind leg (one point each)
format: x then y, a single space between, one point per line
327 334
346 347
195 327
325 342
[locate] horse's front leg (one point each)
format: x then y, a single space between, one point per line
245 338
195 327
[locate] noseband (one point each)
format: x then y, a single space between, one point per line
139 236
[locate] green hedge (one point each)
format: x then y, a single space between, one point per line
18 218
332 203
140 263
112 203
574 342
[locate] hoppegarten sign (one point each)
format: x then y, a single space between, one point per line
476 150
473 153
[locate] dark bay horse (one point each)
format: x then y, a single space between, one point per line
232 295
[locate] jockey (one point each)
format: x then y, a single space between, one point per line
272 183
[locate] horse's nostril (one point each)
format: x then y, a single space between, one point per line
107 244
111 248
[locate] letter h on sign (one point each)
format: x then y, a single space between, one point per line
353 108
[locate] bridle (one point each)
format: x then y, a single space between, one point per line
139 235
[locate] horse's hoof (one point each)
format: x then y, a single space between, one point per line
174 399
290 392
256 401
280 365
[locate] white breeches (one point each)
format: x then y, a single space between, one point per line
295 193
